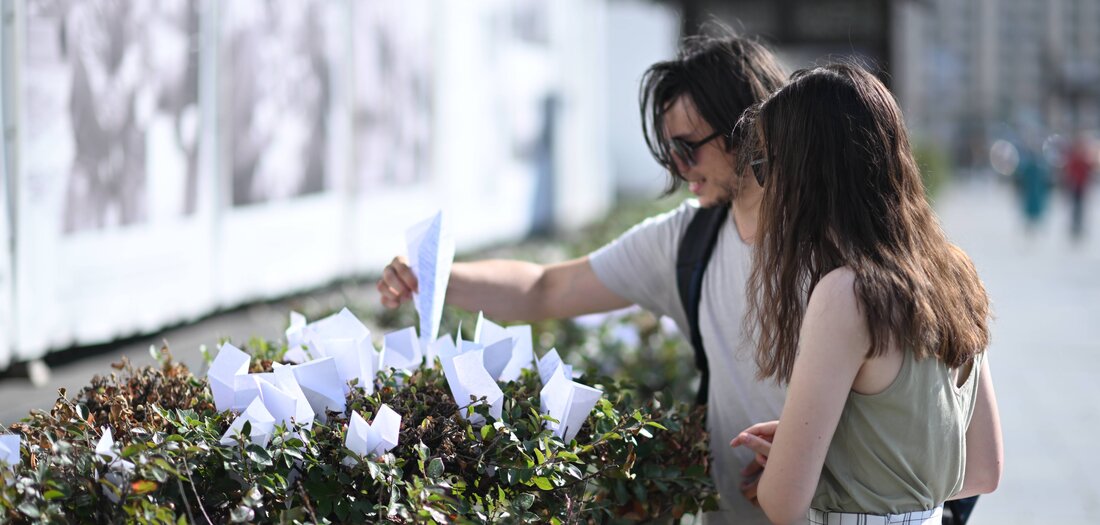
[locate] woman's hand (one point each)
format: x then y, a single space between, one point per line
757 438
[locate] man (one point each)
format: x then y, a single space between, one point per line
689 106
1077 169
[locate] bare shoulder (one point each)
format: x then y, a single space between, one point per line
836 290
833 312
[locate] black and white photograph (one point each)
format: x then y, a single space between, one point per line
394 91
175 130
526 91
276 61
111 89
528 105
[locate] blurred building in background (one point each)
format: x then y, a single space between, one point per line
805 32
973 71
966 72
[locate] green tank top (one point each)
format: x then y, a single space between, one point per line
902 449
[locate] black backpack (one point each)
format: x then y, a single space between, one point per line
696 247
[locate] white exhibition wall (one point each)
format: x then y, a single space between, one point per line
5 237
175 157
638 34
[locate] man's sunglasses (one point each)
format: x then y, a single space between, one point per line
686 149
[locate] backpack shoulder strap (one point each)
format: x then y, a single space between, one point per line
696 247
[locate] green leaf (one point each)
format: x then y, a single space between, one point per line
543 483
29 510
374 470
524 500
295 442
435 468
258 454
51 495
656 425
487 433
568 456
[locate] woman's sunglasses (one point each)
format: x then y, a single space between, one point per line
759 167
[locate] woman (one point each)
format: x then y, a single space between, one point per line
890 407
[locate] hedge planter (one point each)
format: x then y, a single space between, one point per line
632 460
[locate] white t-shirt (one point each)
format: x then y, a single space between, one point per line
640 266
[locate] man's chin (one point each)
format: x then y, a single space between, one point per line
712 201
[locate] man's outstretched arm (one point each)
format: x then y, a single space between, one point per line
508 290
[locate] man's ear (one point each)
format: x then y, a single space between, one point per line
727 139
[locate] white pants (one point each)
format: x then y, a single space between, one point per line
918 517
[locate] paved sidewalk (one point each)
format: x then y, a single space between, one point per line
1045 351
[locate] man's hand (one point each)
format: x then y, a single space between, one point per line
757 438
397 283
750 476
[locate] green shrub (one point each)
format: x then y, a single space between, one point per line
631 461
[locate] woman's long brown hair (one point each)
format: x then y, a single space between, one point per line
841 188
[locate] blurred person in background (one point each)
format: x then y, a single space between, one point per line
890 409
1032 178
1078 169
689 106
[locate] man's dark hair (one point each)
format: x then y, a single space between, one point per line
722 74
